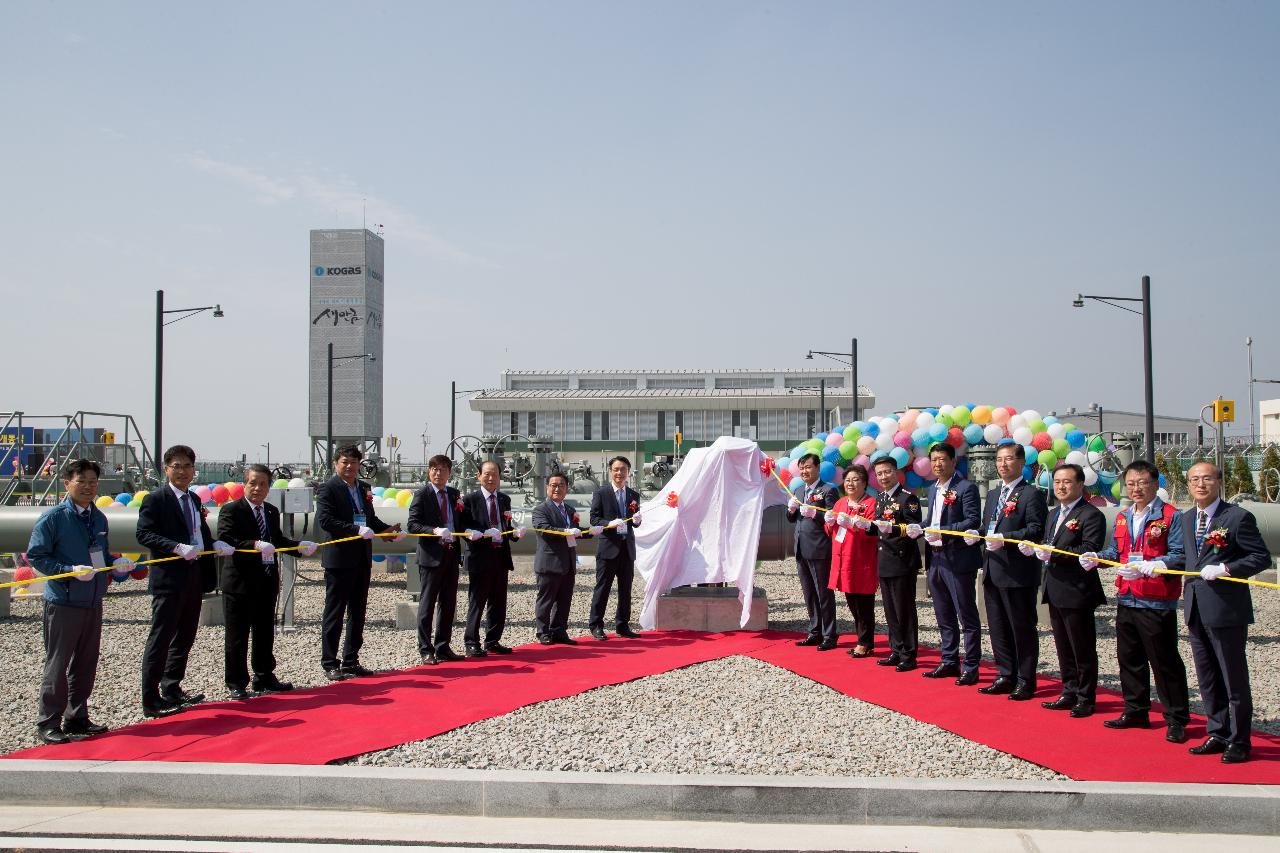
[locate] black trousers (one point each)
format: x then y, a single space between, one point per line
487 596
1147 643
1223 673
72 642
607 570
551 611
863 607
250 615
438 603
1075 635
819 601
346 596
899 597
1011 621
175 616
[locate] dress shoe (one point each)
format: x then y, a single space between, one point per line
183 698
968 678
1024 691
1235 753
625 631
53 735
447 654
82 728
1062 703
859 652
1176 733
161 708
545 639
334 674
477 652
355 670
905 666
599 634
943 670
564 640
1003 684
809 641
237 693
1082 710
826 645
1211 746
430 659
891 660
1129 720
270 684
497 649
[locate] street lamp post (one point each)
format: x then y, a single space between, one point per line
1145 312
268 447
453 411
328 459
161 311
852 356
1253 436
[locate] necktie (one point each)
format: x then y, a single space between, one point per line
621 495
493 511
262 524
444 509
1062 515
564 513
190 517
1202 525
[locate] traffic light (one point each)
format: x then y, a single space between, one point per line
1224 411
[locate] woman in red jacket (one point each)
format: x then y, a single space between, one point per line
853 557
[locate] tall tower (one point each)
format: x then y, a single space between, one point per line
345 309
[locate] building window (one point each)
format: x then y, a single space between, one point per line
725 382
662 424
515 422
755 417
533 423
586 426
606 383
812 381
737 421
811 422
604 426
679 421
549 383
682 383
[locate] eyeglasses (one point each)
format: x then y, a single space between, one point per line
1138 484
1208 478
179 466
83 482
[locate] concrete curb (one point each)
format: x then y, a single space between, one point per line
1143 807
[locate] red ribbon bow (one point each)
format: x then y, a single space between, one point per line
672 499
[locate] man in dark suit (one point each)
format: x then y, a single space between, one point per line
171 521
344 508
611 506
251 584
437 509
898 564
951 566
555 562
1218 612
488 563
1014 511
813 552
1072 591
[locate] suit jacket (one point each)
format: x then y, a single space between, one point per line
553 555
1222 604
1008 567
238 527
897 554
812 541
604 508
161 528
424 516
483 554
963 514
334 515
1066 584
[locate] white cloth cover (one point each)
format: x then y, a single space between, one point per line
714 532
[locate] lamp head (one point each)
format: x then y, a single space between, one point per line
810 355
217 311
1079 301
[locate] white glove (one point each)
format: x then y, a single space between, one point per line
366 533
1088 560
1151 568
443 532
473 535
1212 573
266 548
793 504
635 517
1130 571
994 541
399 537
89 573
915 531
491 531
572 532
519 532
496 536
971 537
187 552
829 517
121 567
1026 549
1042 554
809 512
861 523
307 548
617 522
934 539
222 549
884 525
596 529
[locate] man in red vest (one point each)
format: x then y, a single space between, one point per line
1147 605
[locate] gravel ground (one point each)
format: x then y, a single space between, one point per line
818 739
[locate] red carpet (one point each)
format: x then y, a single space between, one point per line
324 724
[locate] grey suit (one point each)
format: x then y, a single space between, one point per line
813 560
554 566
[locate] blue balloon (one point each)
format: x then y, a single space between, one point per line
378 558
827 471
838 429
124 498
879 454
1106 477
831 454
1049 420
914 480
938 432
822 436
378 491
901 456
973 435
920 438
1162 481
1002 442
1026 472
932 411
1075 438
797 485
1030 452
1044 480
872 430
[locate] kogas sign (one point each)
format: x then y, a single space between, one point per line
320 271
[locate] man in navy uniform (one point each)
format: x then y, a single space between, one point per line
813 552
898 563
611 506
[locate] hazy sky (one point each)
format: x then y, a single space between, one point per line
653 185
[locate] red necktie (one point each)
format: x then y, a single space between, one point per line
444 510
493 510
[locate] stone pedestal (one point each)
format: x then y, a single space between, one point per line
713 609
211 612
406 615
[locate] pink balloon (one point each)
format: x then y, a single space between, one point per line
903 440
864 460
794 468
203 493
835 439
907 422
866 445
1000 416
921 467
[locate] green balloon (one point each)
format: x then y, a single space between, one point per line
1047 459
961 416
1068 427
852 433
945 420
280 484
1037 426
1096 444
815 445
1061 447
1116 490
848 450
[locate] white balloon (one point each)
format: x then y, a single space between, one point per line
1029 415
297 483
946 410
1163 495
1056 431
1075 457
884 441
1022 435
1094 457
1018 421
924 420
388 502
1090 476
993 433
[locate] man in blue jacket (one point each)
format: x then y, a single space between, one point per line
72 536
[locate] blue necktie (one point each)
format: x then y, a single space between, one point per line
262 524
189 515
622 503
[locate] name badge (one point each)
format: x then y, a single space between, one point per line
358 519
97 559
269 560
991 528
840 534
573 543
622 529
